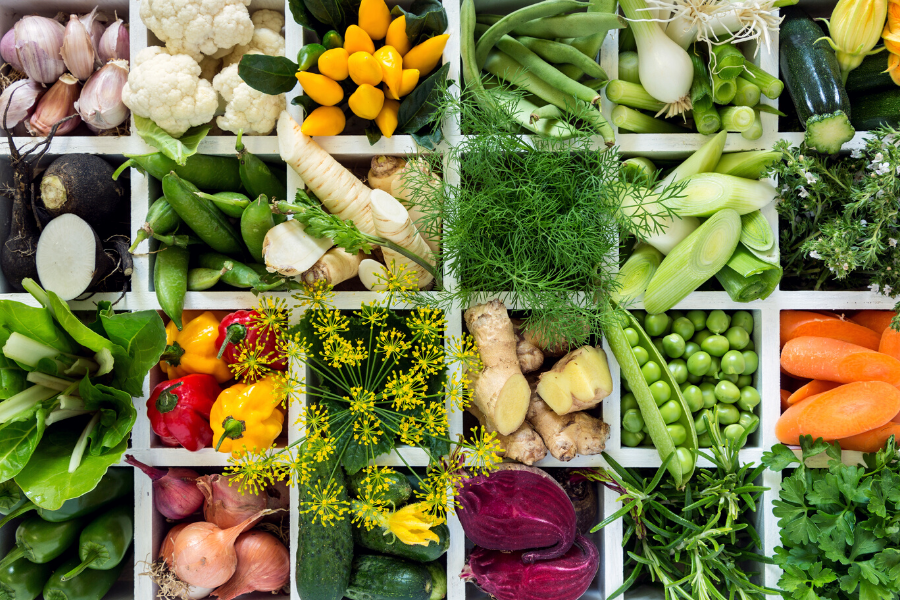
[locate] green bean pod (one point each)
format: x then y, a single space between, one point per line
239 276
256 175
103 542
170 280
87 586
23 579
41 541
201 215
230 203
255 223
207 172
161 219
200 279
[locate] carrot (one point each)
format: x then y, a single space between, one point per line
834 360
784 400
890 343
799 323
814 387
845 411
876 320
871 441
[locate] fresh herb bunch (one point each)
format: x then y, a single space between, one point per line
839 216
840 526
693 541
531 220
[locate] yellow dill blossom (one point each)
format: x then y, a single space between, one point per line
410 431
427 324
408 391
367 430
271 314
299 470
435 420
315 296
293 347
314 420
329 323
369 513
319 446
392 344
325 504
484 452
464 350
376 482
456 389
412 525
397 278
289 386
339 351
428 359
252 362
253 471
361 400
373 313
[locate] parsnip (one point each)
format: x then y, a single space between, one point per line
335 266
383 171
289 250
523 445
392 222
369 271
578 381
401 188
567 435
339 190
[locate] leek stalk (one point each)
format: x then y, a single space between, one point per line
628 66
707 119
756 233
637 122
627 42
747 278
746 264
726 61
747 93
635 275
640 165
749 165
755 131
632 95
707 193
769 85
723 89
737 119
696 259
704 160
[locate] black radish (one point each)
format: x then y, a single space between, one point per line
17 257
82 185
70 257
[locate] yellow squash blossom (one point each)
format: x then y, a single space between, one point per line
855 27
412 525
891 36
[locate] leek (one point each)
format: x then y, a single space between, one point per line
749 165
769 85
723 89
635 275
707 193
707 119
637 122
632 95
693 261
746 264
737 118
755 131
756 233
747 93
748 289
640 166
726 61
628 66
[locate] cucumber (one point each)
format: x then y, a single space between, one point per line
398 492
324 553
375 539
377 577
875 110
438 580
810 70
870 77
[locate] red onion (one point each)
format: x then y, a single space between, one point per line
175 493
225 506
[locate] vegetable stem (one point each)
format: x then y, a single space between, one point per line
637 122
81 444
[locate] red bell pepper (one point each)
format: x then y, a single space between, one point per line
241 327
179 411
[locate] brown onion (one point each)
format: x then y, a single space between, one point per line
263 565
167 555
225 505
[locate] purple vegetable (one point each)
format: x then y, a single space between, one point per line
504 575
520 508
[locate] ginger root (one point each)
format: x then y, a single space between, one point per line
523 445
549 346
336 266
383 171
567 435
530 356
500 391
578 381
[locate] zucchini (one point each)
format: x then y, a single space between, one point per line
875 110
381 540
438 580
812 75
398 492
870 77
324 553
377 577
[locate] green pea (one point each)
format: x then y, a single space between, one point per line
733 363
700 336
694 379
728 414
641 355
715 345
699 363
704 441
659 346
651 372
700 423
734 432
742 319
686 458
678 369
751 362
675 315
711 380
737 338
727 392
750 347
709 394
748 421
655 325
683 327
640 315
626 386
632 420
697 318
715 365
671 412
744 381
749 399
693 397
645 430
673 344
660 391
632 335
718 321
632 439
678 433
732 378
628 401
690 349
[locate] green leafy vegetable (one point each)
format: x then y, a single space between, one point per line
17 444
117 415
424 19
268 74
419 108
177 149
303 17
36 323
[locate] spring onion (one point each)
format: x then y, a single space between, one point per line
737 118
706 116
723 89
749 165
637 122
696 259
756 232
640 165
707 193
635 275
704 160
755 131
632 95
628 67
712 20
747 93
748 289
726 61
707 119
769 85
746 264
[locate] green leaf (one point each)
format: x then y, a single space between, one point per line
373 134
117 415
143 336
812 448
424 19
46 479
271 75
178 149
36 323
12 378
304 18
17 444
417 108
327 12
780 458
428 139
306 102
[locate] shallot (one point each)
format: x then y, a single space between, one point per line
263 565
167 554
226 505
57 104
38 42
175 493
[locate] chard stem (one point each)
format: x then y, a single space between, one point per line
82 443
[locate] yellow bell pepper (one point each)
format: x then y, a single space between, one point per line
396 35
374 18
193 349
426 55
325 120
391 68
247 417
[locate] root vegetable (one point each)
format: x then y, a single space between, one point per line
834 360
18 254
404 188
578 381
373 274
871 441
289 250
583 494
501 392
876 320
799 323
70 258
569 434
338 189
383 171
530 356
82 185
392 222
813 388
523 445
263 565
335 266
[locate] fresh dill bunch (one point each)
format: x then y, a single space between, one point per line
534 221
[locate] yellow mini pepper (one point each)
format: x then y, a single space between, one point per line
426 55
396 35
193 349
387 118
391 68
246 417
374 18
357 40
325 120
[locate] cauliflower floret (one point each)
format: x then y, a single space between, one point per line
268 19
167 89
254 112
209 66
265 41
198 27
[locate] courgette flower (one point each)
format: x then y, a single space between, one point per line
891 36
412 525
855 27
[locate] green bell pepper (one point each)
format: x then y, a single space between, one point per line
87 586
103 543
23 579
41 541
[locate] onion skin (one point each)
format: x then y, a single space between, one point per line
167 555
264 565
505 575
225 506
8 50
519 508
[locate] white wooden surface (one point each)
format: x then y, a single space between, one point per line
355 149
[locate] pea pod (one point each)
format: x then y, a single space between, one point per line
87 586
309 55
23 579
653 418
170 280
230 203
179 241
103 542
255 224
239 276
201 215
161 219
207 172
41 541
256 175
200 279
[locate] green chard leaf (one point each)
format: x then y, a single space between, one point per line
271 75
178 149
117 415
36 323
143 336
424 19
17 444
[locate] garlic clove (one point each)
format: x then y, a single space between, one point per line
57 104
21 98
38 42
94 23
115 42
100 104
78 50
8 50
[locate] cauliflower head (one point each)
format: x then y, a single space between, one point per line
264 41
268 19
253 111
167 89
198 27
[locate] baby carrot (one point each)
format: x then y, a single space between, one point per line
784 400
835 360
799 323
876 320
890 343
814 387
871 441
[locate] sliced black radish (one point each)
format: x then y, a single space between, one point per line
70 257
82 185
